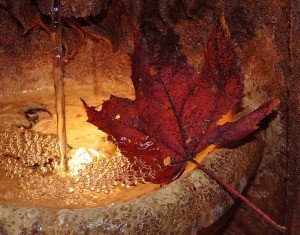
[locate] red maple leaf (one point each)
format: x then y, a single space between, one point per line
176 110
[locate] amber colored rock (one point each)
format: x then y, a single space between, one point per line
77 8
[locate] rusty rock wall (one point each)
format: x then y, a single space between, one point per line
292 213
261 30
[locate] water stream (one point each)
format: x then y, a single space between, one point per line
59 83
91 173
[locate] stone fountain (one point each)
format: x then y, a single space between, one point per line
96 66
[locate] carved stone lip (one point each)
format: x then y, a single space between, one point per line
185 206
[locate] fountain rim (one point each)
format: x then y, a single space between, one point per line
194 188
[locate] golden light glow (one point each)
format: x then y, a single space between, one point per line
87 140
167 161
201 156
84 155
80 158
226 118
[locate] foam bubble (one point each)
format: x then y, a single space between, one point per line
31 159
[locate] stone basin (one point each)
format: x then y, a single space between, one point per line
189 205
186 206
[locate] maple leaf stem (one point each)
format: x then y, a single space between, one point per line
238 194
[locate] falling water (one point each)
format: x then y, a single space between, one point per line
29 157
59 83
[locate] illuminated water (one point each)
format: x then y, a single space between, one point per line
29 158
38 167
58 79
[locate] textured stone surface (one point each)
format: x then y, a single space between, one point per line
75 8
292 217
262 34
